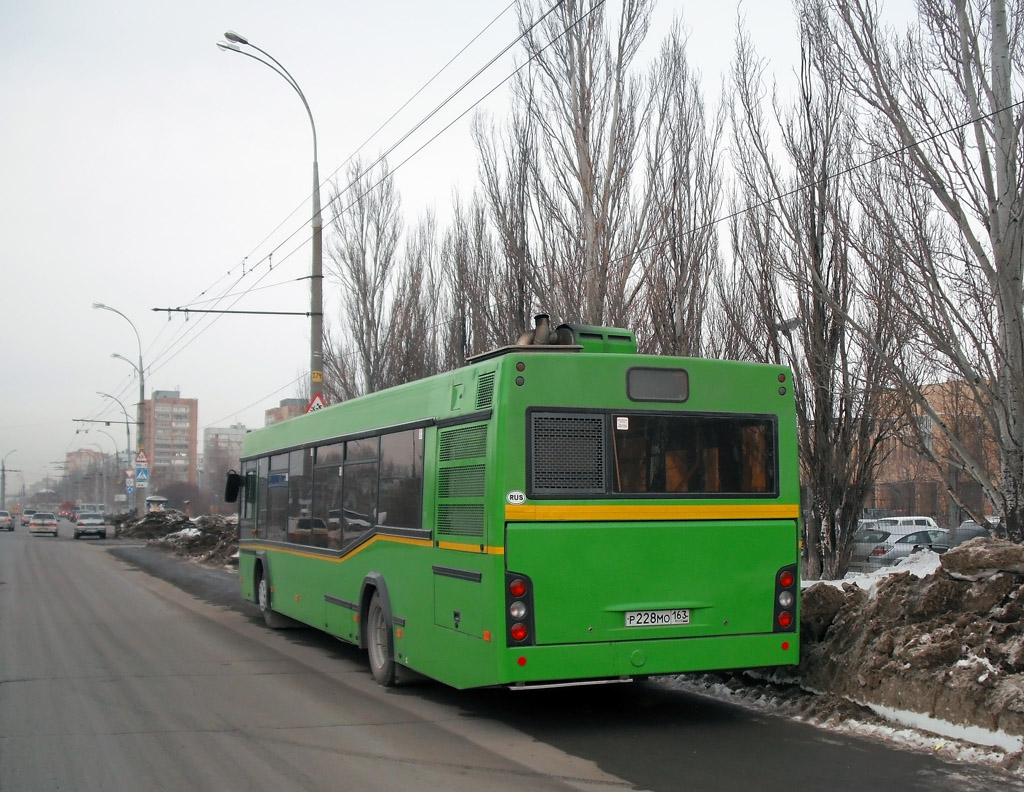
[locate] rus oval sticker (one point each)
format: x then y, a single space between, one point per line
515 497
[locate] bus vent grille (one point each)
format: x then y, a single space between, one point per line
461 482
568 453
485 391
460 519
467 442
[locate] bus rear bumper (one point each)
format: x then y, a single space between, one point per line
621 659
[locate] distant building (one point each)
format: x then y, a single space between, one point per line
290 408
222 448
171 442
224 440
909 482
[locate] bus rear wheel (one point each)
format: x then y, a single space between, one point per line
380 642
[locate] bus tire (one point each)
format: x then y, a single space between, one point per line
380 642
273 620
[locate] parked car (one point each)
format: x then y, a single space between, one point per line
968 530
91 523
43 523
905 545
865 540
6 521
26 516
882 543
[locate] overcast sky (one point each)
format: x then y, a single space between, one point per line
141 165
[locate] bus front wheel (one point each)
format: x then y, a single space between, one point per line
380 642
274 621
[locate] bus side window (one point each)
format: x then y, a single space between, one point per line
277 499
327 503
262 496
401 480
302 529
247 511
359 509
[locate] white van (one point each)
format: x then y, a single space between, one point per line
896 525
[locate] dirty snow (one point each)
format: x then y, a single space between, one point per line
928 653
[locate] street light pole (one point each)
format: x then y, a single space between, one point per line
3 479
127 444
140 434
235 43
117 465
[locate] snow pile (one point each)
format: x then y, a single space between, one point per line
935 644
947 645
210 539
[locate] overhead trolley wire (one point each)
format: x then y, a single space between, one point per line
362 145
175 347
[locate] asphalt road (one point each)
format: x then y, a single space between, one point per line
123 668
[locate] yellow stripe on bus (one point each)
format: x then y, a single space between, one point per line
471 548
732 511
345 556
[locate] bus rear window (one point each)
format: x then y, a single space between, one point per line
658 384
693 454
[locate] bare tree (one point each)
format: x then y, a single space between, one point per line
794 249
578 118
945 100
409 340
681 250
362 250
505 166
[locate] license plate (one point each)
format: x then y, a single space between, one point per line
657 618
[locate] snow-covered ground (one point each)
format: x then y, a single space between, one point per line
928 654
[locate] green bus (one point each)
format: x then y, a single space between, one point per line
561 511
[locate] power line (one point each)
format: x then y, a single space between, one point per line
368 139
174 347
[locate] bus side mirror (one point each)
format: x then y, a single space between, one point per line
234 483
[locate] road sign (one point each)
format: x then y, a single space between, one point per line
316 403
129 489
140 458
141 477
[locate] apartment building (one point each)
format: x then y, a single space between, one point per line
171 441
289 408
222 449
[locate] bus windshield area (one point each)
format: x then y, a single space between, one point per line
693 454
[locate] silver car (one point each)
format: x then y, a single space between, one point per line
91 523
903 546
43 523
879 545
868 541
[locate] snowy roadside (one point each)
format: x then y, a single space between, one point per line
928 654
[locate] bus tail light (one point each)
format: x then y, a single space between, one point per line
785 599
519 622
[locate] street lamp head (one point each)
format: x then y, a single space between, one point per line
224 45
98 305
234 38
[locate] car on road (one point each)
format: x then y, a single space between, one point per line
91 523
6 521
43 523
26 516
